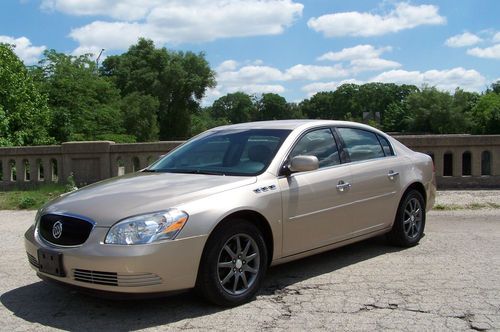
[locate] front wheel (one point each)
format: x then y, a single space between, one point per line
409 223
233 264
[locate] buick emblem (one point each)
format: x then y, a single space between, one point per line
57 229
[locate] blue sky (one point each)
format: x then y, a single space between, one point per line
291 47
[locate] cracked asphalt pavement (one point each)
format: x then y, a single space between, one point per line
450 281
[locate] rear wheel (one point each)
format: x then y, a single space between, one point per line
409 224
233 264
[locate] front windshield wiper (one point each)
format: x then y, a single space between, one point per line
147 170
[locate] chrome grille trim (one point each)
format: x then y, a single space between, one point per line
33 261
115 279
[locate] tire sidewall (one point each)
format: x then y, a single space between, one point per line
209 278
400 218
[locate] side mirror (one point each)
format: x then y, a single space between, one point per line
303 164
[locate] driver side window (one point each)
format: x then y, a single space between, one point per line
319 143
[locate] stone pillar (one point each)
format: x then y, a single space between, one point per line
5 171
438 162
33 170
476 161
88 161
19 171
495 160
457 162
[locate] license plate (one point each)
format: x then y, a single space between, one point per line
51 262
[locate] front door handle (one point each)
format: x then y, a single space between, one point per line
392 174
343 186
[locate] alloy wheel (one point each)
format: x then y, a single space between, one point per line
412 218
238 264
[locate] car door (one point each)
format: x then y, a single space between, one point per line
313 206
375 180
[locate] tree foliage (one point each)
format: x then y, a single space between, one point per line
177 79
273 107
24 114
85 105
234 108
139 116
150 93
486 114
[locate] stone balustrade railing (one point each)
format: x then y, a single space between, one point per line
461 161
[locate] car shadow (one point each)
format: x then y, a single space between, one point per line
57 307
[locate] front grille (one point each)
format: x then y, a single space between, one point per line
116 279
69 231
33 261
96 277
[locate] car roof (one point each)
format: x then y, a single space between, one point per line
287 124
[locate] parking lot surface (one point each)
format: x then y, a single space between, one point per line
450 281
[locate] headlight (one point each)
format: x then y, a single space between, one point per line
147 228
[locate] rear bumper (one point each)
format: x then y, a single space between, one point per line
430 189
139 269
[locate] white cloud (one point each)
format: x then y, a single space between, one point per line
117 9
258 88
109 35
227 65
450 79
496 37
253 74
227 72
492 52
403 16
462 40
313 73
356 52
28 53
362 58
176 21
360 65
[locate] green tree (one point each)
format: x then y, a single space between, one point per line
24 114
85 105
177 79
397 118
139 116
202 120
495 87
234 107
273 107
433 111
486 114
319 106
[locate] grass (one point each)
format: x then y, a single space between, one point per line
29 199
471 206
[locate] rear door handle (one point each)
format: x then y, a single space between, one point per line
392 174
343 186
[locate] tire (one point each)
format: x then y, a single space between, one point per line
409 224
230 275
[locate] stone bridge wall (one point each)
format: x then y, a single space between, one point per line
461 161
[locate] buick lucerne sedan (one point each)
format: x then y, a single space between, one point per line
217 211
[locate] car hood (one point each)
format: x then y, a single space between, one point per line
109 201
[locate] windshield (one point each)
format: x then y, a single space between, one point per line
224 152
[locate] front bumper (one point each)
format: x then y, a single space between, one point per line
151 268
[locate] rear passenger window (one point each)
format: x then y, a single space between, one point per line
319 143
386 146
361 144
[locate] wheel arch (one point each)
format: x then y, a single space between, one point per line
418 186
255 218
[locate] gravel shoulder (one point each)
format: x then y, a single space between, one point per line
477 199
